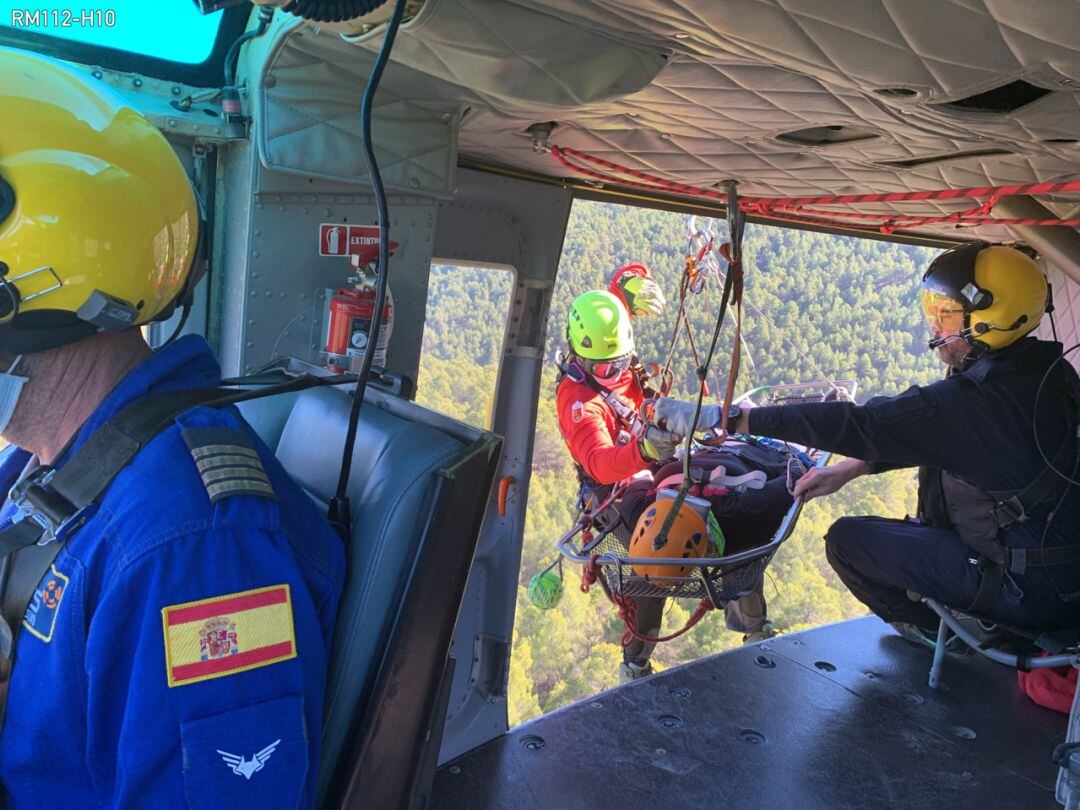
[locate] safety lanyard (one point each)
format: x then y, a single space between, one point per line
626 415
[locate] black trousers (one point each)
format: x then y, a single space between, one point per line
880 560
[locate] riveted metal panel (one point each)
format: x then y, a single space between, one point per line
273 274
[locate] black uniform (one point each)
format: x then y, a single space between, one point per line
976 426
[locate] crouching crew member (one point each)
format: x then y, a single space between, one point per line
166 645
997 444
601 388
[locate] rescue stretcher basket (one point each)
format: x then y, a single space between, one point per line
604 546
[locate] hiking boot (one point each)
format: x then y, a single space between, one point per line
630 671
925 638
766 631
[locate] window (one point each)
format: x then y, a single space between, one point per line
165 29
464 328
168 39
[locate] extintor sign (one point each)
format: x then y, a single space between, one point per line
340 239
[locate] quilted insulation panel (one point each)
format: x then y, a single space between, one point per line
702 90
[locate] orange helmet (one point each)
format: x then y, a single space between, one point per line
687 538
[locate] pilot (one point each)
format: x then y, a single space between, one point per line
996 440
169 646
602 384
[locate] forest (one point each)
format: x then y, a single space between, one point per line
817 306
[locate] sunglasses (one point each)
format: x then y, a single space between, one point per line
609 369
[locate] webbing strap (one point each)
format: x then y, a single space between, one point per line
22 575
1020 559
90 471
19 535
113 446
625 413
991 577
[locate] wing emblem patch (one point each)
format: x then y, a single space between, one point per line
248 767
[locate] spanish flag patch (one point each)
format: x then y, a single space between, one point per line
228 634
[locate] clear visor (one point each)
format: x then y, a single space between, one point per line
608 369
944 314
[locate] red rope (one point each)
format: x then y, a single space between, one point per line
627 606
798 209
589 574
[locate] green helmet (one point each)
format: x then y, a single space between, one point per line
598 327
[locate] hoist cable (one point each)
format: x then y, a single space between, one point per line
732 291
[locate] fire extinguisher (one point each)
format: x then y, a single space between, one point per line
351 312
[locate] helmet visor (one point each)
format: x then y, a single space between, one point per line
944 314
609 369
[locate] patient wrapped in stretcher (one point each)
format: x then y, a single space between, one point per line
746 483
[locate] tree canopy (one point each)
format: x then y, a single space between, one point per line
816 306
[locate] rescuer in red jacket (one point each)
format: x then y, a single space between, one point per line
603 385
600 391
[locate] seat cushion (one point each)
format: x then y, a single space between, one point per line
390 489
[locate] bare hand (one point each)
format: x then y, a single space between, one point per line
821 481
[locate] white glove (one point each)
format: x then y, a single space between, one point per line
675 415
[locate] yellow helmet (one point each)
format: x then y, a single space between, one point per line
998 293
99 224
598 327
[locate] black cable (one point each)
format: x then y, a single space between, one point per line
331 10
736 224
232 58
1046 528
339 506
1035 417
185 310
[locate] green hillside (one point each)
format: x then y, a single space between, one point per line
817 306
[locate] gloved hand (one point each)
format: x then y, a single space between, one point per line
643 295
675 415
657 445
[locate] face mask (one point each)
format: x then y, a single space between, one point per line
11 386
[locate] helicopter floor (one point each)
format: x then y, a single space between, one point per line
838 716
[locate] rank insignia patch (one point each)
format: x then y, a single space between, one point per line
228 634
40 616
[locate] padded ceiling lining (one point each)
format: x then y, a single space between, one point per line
715 82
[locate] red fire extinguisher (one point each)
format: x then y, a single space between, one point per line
352 311
351 314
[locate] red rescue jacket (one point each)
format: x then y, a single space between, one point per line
592 431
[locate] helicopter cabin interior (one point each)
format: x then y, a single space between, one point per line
491 118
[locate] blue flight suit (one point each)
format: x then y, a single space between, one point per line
128 690
977 425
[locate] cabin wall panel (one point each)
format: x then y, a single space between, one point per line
495 220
